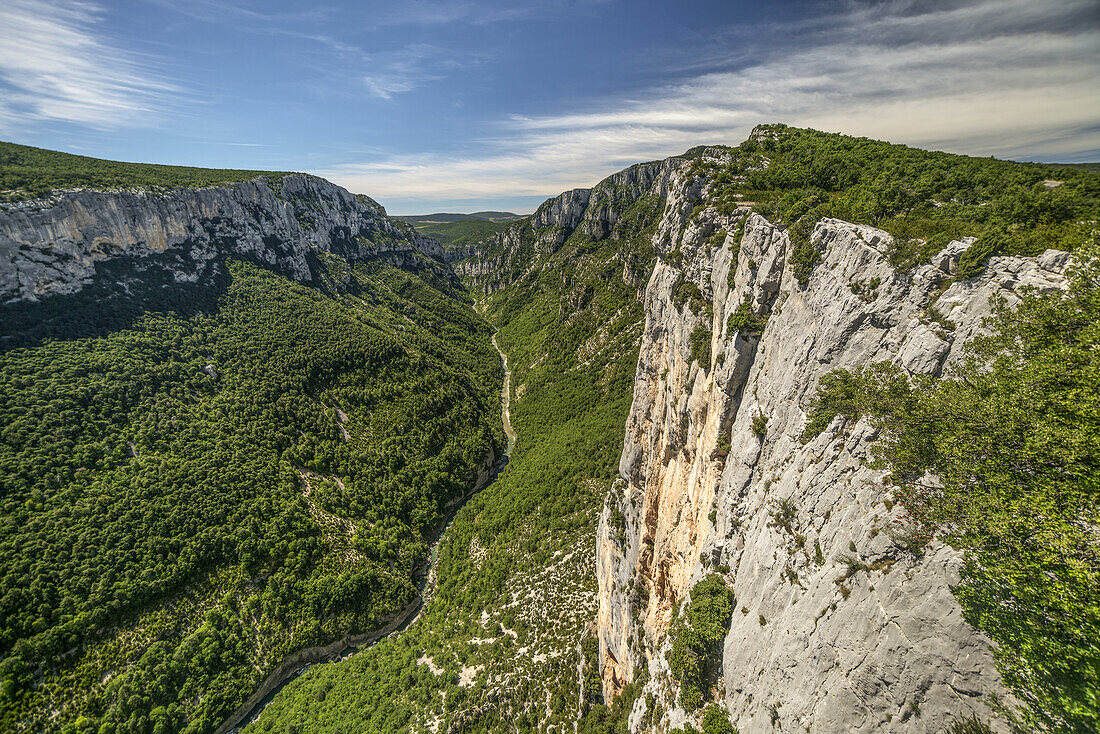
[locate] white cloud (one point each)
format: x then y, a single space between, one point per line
54 67
1000 77
404 70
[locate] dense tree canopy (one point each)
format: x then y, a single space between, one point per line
187 499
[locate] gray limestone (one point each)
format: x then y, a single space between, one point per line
54 246
807 649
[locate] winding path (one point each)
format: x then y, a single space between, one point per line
505 399
298 662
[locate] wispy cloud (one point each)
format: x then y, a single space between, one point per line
1013 78
54 66
405 69
449 12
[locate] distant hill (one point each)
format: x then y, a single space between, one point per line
462 232
441 218
1090 167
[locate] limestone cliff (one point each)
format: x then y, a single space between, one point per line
55 246
518 250
714 478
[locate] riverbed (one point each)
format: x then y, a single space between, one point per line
298 662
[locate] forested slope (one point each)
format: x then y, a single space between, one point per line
506 641
509 642
207 468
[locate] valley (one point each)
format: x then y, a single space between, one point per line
735 477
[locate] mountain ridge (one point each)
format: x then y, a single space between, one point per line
667 329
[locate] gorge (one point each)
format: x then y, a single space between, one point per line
669 335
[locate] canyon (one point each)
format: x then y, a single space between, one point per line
667 332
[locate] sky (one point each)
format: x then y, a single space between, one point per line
455 105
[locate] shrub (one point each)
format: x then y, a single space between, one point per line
745 321
687 292
970 725
760 424
803 258
784 514
696 649
717 721
700 346
854 393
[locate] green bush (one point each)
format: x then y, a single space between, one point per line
717 721
687 292
745 321
700 346
696 655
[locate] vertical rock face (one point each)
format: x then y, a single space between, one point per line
594 212
49 248
715 478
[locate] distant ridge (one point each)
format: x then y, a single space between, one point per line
442 218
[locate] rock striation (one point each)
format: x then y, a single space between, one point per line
55 246
715 478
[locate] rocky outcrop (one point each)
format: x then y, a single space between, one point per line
518 250
55 246
714 478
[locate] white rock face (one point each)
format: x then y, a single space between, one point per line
885 649
519 249
55 248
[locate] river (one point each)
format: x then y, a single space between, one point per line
298 662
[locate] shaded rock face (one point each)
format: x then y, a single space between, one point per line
714 478
54 247
508 256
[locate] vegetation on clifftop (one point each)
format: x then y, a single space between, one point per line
31 173
1013 441
923 198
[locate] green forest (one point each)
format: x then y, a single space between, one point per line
519 553
190 498
31 173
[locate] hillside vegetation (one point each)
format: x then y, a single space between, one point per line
925 199
462 232
1014 440
505 644
189 498
31 173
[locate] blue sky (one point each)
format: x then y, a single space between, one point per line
429 105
